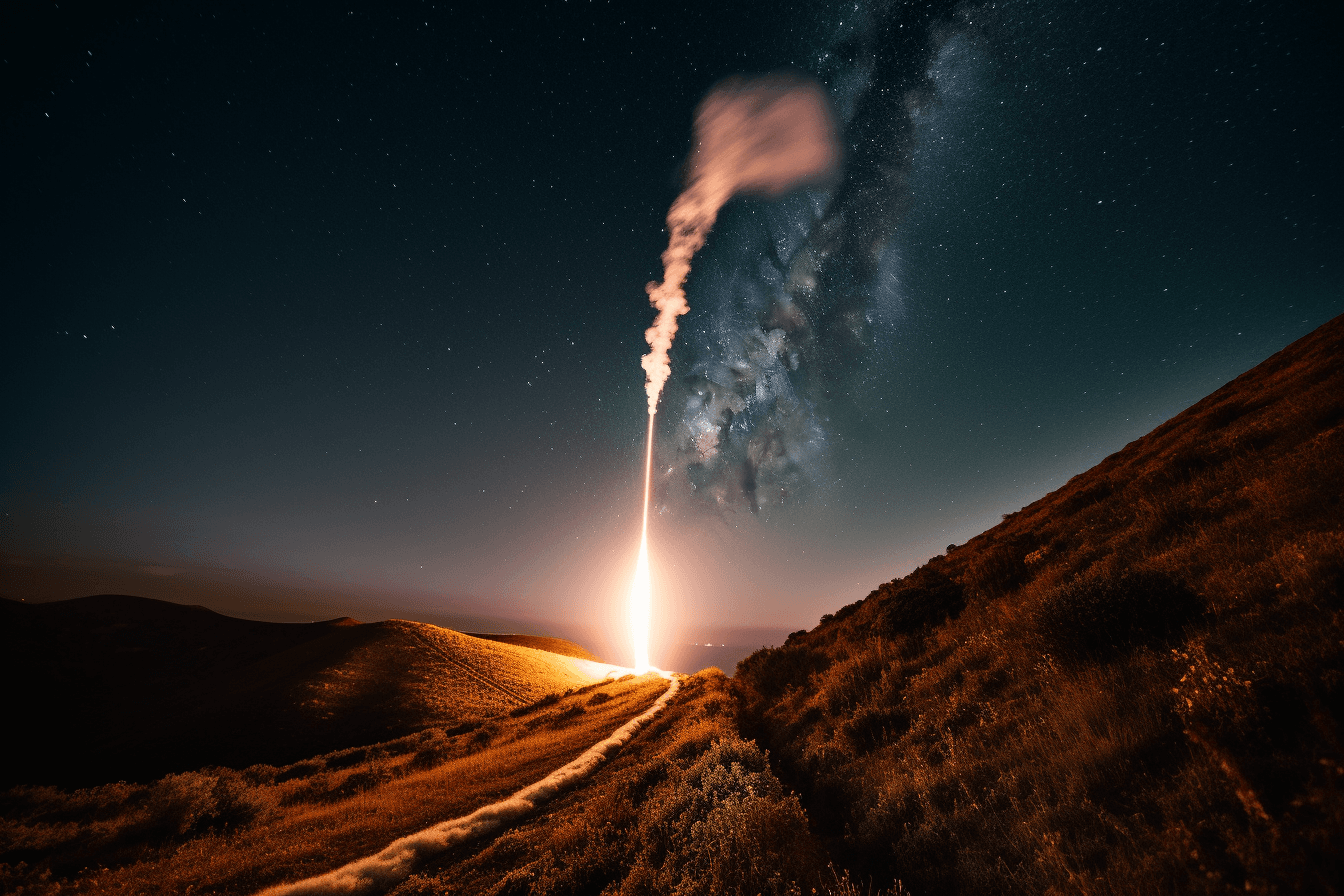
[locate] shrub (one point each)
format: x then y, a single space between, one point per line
238 804
726 827
999 568
179 803
1100 612
548 700
770 670
191 802
924 598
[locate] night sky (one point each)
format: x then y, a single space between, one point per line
353 296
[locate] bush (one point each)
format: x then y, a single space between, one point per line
548 700
770 670
726 827
1100 612
1000 567
180 803
191 802
924 598
237 804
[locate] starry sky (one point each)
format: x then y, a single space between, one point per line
350 299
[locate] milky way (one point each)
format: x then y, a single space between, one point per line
805 291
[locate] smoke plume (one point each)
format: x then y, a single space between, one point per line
395 863
805 293
760 136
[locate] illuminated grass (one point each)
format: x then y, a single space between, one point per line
345 806
1133 685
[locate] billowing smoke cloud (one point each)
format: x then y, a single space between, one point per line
761 136
394 864
805 290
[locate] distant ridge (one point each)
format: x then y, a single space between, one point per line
114 687
342 620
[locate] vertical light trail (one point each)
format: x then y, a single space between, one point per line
763 136
641 589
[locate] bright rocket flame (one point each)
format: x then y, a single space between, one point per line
641 589
641 600
762 136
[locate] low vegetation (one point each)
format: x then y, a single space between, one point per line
1133 685
238 831
689 808
126 687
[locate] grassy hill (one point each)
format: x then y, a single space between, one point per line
236 831
1134 684
123 688
540 642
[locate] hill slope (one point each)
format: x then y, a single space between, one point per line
540 642
1134 684
116 687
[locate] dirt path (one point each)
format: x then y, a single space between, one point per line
393 864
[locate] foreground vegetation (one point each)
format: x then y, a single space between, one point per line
691 808
1133 685
238 831
132 688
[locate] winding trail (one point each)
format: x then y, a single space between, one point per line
396 862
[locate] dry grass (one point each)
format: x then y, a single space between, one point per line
688 808
123 687
304 819
540 642
1132 685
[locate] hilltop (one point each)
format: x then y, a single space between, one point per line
116 687
1134 684
540 642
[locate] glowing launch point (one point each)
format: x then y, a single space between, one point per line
762 136
641 590
640 608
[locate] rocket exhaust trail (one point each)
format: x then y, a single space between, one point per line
641 588
763 136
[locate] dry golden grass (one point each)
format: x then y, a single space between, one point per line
319 814
1133 685
448 677
124 687
689 807
541 642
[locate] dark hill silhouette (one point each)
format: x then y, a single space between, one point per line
1134 684
117 687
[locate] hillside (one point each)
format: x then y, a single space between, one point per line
229 831
540 642
1134 684
115 687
